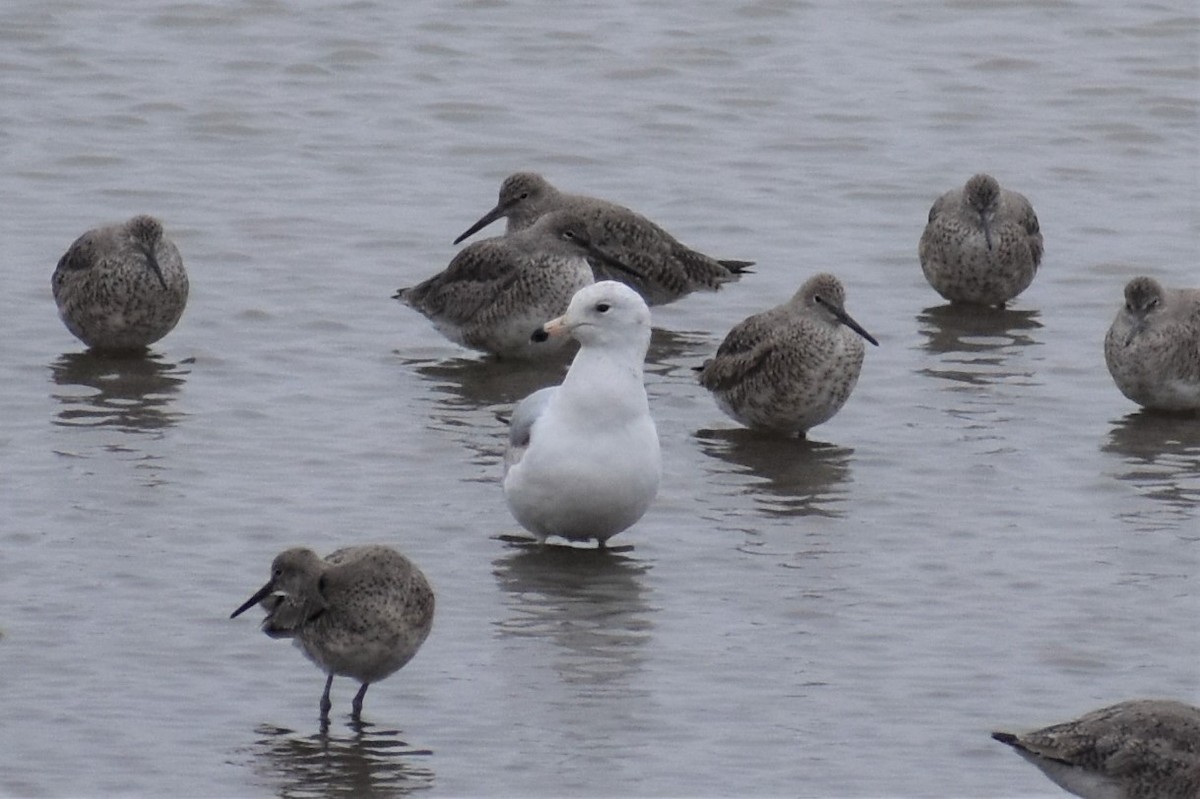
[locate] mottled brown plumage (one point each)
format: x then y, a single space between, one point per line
361 612
495 293
121 287
792 367
1153 346
982 244
1141 749
666 269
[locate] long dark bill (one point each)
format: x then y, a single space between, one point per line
605 258
485 220
987 230
254 600
152 262
849 322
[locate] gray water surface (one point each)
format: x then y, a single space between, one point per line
987 536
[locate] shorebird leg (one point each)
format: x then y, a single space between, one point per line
358 699
325 703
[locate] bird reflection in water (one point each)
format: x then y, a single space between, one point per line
132 393
1161 453
788 476
669 347
463 385
589 602
372 762
979 342
470 394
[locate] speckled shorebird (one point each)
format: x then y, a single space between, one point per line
1153 346
495 293
121 287
583 459
792 367
982 244
1142 749
665 269
362 612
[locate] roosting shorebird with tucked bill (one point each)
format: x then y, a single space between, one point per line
662 269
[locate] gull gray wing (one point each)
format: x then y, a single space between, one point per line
520 429
525 414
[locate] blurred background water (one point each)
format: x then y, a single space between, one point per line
987 536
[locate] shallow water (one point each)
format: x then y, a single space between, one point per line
987 536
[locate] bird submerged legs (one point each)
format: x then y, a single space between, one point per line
356 706
325 703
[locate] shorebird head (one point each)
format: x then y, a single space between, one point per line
569 229
292 596
982 194
1143 296
824 294
146 231
521 194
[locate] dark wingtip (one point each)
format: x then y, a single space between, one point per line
1006 738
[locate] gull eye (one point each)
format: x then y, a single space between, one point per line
602 307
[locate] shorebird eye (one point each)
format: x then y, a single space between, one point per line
602 307
277 573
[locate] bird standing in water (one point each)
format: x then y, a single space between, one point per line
792 367
1141 749
121 287
661 269
1153 346
982 244
583 459
360 612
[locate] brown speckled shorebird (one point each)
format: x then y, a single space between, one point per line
1141 749
663 269
495 293
362 612
982 244
1153 346
121 287
792 367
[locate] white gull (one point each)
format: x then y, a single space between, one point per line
583 459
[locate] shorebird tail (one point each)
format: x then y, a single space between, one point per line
737 267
